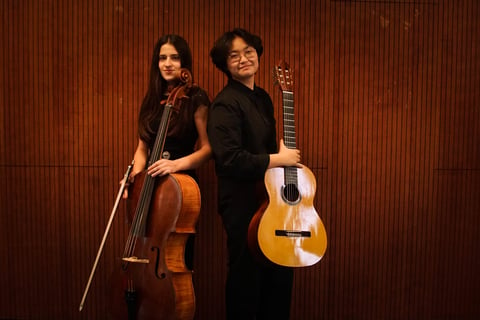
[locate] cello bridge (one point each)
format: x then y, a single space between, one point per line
134 259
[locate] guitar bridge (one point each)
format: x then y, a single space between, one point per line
293 234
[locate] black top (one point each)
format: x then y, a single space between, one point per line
182 133
241 130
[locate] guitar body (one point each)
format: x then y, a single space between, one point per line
290 232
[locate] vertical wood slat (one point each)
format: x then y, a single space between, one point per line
388 120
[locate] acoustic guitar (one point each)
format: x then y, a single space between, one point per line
290 231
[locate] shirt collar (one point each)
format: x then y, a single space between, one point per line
241 87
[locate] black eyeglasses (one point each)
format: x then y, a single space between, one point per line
236 56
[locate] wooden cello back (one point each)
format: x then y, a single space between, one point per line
173 215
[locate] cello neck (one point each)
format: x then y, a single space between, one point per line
141 212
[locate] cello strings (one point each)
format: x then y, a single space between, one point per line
138 224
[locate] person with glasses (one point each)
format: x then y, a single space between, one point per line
242 132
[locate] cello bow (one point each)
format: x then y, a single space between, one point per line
107 230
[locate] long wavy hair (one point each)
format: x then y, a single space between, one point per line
151 108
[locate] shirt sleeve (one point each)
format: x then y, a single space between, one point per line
200 98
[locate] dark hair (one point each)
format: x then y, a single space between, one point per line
150 109
222 46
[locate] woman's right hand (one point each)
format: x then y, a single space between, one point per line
130 180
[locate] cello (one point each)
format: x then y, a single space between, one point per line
152 281
286 229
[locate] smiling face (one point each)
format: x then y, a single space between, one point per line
169 63
242 62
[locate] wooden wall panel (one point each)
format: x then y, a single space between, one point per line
387 112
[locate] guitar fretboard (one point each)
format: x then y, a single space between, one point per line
289 135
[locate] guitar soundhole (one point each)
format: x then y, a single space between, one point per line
291 193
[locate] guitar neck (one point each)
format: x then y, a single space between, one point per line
289 135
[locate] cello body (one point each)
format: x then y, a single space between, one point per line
159 285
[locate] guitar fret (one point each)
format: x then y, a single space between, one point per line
291 175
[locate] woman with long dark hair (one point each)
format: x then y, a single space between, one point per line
186 144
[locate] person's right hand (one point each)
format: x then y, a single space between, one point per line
129 181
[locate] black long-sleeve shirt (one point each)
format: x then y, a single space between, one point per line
241 130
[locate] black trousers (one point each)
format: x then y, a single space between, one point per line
254 290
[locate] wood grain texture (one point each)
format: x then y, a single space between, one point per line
388 121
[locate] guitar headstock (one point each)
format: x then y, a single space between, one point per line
283 77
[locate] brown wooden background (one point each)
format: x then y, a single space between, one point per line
387 97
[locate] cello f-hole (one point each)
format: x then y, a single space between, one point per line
157 263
